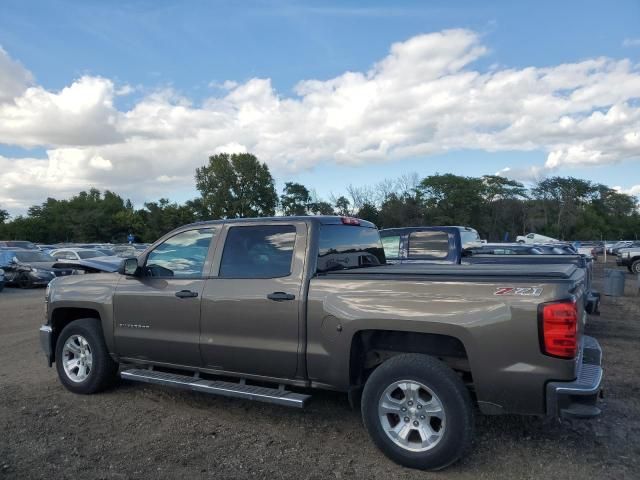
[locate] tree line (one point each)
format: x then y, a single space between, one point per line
239 185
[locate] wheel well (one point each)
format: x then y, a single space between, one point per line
61 317
369 348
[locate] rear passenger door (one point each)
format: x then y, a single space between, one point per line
251 304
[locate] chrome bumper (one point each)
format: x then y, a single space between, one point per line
579 398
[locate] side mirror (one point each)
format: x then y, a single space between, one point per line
129 266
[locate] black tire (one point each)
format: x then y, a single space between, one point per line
635 266
25 281
453 395
103 371
629 268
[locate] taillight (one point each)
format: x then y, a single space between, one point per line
559 329
350 221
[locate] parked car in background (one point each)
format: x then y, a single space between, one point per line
29 268
129 249
46 248
535 238
629 257
437 244
75 253
628 244
86 260
2 279
613 249
18 244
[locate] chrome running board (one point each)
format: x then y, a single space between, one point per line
279 396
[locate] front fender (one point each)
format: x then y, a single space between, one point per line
89 292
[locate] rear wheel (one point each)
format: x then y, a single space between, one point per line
82 360
418 412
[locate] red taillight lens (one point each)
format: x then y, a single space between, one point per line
559 323
350 221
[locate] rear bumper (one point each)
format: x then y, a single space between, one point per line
579 398
46 342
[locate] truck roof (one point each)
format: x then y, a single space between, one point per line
318 219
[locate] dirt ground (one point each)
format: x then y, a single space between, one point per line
143 431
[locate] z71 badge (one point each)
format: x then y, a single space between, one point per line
522 291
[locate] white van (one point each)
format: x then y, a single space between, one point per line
535 238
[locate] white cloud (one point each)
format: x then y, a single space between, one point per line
631 42
425 97
14 78
80 114
633 190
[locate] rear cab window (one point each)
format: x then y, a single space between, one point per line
348 246
391 245
428 245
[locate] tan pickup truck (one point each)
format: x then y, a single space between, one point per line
269 309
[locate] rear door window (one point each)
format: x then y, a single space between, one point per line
346 246
264 251
429 245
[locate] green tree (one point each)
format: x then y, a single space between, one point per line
295 199
451 199
343 205
563 200
503 206
236 185
401 211
368 212
321 207
158 218
4 215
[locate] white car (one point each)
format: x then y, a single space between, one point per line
535 238
63 254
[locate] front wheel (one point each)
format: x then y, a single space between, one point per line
82 360
418 412
635 267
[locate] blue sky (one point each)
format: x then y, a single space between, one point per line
191 48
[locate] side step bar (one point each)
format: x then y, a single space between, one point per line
278 396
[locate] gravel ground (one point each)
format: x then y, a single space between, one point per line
143 431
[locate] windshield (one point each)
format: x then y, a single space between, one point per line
89 254
29 256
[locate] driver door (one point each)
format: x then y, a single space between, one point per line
157 314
